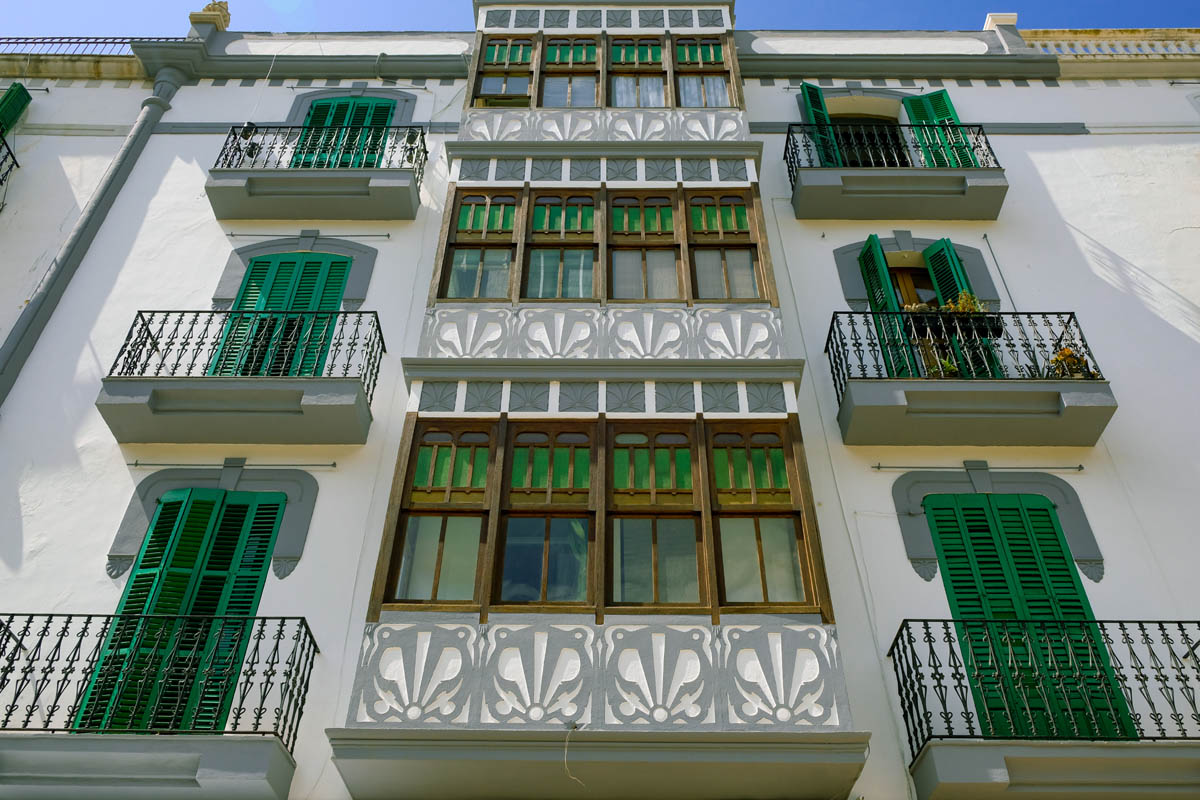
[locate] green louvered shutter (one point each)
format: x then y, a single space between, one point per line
946 270
942 139
822 131
365 146
973 351
321 284
323 130
893 346
12 104
1004 558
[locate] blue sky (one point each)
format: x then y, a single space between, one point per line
169 17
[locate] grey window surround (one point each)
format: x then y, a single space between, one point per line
299 486
909 491
855 292
405 102
362 265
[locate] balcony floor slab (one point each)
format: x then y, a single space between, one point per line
313 193
222 410
898 193
926 411
965 769
49 766
504 763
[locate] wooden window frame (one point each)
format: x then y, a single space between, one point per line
701 41
720 235
561 247
704 508
691 73
563 235
675 502
455 429
543 605
448 273
656 607
645 249
747 429
802 554
639 200
401 541
510 197
570 77
571 65
637 65
508 63
552 429
722 247
637 76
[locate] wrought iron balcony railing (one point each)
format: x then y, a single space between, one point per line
1061 680
885 145
347 147
8 162
76 45
266 344
91 673
940 344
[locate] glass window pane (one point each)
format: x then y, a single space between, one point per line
652 92
624 92
541 467
441 467
462 467
419 558
739 561
662 468
460 551
522 578
581 478
785 584
632 561
491 84
720 456
542 280
662 281
495 274
583 91
677 575
641 468
710 283
520 467
741 469
479 471
689 92
560 467
517 84
716 91
627 275
421 473
742 282
577 273
554 92
566 580
683 468
621 468
758 462
464 270
779 477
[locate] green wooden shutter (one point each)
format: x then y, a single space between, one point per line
822 131
320 287
1005 558
894 346
974 354
364 143
946 270
938 131
12 104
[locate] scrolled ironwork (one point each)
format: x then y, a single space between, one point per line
96 673
268 344
958 345
1046 679
77 45
8 161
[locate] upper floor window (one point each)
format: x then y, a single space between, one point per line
556 215
636 52
569 91
503 51
637 91
641 216
570 52
703 91
698 52
481 214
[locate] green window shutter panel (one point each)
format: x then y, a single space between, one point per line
12 104
894 346
942 140
946 270
822 132
873 264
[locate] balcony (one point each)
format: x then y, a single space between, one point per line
235 685
888 171
635 707
295 172
944 378
244 377
1050 709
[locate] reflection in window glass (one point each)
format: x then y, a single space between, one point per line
478 273
654 561
633 561
627 275
710 282
760 560
558 543
662 280
554 92
739 561
784 581
631 91
547 265
439 559
691 92
716 91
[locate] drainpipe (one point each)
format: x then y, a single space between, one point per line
21 339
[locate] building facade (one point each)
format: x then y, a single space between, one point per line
605 402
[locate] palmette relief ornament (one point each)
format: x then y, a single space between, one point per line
419 673
539 677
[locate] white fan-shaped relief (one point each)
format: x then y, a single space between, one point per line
495 126
639 126
659 675
552 333
538 676
782 676
419 673
569 126
470 333
648 334
725 333
713 126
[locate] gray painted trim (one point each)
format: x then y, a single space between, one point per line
299 486
909 490
782 369
37 312
757 65
855 291
194 60
1035 128
405 102
362 265
483 149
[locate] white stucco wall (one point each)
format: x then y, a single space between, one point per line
1101 224
64 481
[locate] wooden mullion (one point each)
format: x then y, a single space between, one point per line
687 289
762 563
485 584
654 559
536 66
668 65
798 467
700 485
599 499
602 56
733 72
517 268
758 231
437 564
391 522
441 257
545 558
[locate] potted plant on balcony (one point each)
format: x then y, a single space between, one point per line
1067 363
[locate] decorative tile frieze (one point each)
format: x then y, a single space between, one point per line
711 18
527 18
603 125
601 332
585 169
589 169
578 396
674 397
720 396
680 17
696 169
618 18
660 169
731 169
498 18
627 397
588 19
473 169
483 396
650 18
512 169
438 396
544 672
546 169
557 18
620 169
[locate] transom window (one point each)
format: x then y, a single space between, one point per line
653 549
563 215
727 214
636 52
650 215
547 547
570 52
701 52
483 214
498 50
